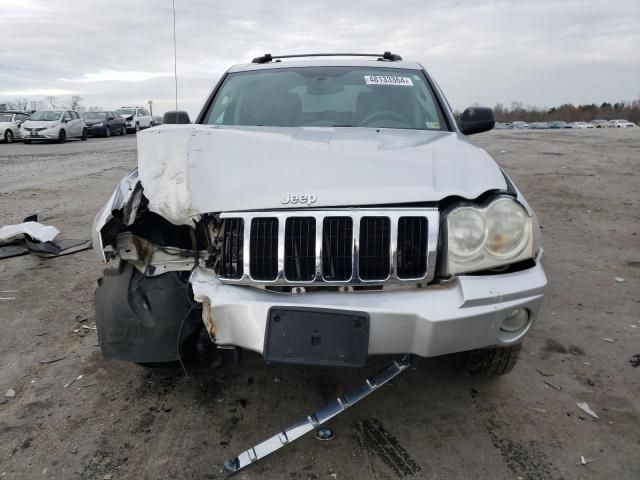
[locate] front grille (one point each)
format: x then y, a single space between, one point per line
263 259
329 247
232 248
375 234
337 248
412 247
300 249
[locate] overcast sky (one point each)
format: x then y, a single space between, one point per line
112 53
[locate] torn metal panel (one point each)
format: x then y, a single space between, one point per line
187 170
119 198
316 419
153 260
34 230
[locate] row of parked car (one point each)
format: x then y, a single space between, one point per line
560 124
59 125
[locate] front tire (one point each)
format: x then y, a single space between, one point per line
8 136
62 136
107 132
124 130
137 127
492 361
85 134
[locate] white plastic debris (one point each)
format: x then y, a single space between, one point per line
619 279
79 377
10 393
610 340
584 461
584 406
35 230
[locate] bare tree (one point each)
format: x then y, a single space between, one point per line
21 103
75 102
51 100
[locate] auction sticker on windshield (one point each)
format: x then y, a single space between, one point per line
388 80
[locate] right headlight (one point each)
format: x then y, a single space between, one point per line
482 238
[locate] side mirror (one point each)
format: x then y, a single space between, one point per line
176 117
476 120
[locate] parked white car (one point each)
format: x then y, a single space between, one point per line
56 125
601 123
520 125
10 125
136 118
622 123
580 125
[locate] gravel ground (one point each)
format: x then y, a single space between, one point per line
120 421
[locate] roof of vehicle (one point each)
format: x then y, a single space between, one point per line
15 111
327 62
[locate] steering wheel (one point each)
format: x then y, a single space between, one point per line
385 114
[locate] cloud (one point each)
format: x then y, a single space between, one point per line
120 52
118 76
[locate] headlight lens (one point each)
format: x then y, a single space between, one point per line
467 232
99 124
483 238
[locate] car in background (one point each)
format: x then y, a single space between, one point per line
157 120
136 118
540 125
622 123
601 123
10 122
519 125
104 123
559 124
502 126
580 125
56 125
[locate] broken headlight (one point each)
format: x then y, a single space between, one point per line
482 238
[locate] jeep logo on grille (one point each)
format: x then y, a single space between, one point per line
301 199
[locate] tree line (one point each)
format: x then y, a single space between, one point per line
49 102
569 112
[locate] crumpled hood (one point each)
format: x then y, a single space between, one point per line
192 169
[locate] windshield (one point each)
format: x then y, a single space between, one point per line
125 112
45 116
328 97
5 117
94 115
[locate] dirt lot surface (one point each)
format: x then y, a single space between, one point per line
120 421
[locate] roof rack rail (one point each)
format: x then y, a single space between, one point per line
386 56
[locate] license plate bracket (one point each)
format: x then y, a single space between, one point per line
317 336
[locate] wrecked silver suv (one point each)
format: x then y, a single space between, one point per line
320 211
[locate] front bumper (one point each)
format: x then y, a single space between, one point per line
464 314
42 135
93 130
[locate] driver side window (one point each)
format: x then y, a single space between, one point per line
67 117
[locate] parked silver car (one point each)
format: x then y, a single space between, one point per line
136 118
10 125
56 125
318 212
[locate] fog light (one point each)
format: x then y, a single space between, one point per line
515 321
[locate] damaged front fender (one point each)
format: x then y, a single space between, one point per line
120 210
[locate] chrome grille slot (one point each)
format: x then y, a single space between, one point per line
232 239
300 249
263 257
333 247
411 249
337 248
374 255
